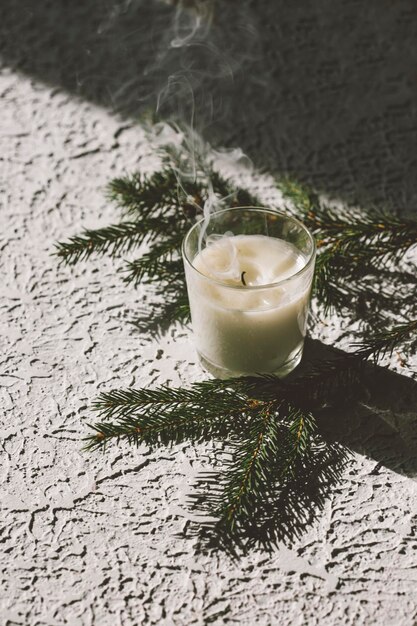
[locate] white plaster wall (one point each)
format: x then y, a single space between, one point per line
91 539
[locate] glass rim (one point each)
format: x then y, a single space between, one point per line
258 209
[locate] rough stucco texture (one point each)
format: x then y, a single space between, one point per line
93 539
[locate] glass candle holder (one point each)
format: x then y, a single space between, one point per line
249 273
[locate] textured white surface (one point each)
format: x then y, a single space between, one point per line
92 539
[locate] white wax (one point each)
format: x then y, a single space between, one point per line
244 328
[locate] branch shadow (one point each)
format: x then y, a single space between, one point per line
324 92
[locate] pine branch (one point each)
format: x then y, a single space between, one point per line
277 473
387 340
197 174
353 250
164 415
158 264
277 439
162 207
271 485
247 396
374 235
318 384
113 239
143 195
252 460
271 446
369 292
161 427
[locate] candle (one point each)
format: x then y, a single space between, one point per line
249 291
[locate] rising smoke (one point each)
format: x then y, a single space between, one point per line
202 53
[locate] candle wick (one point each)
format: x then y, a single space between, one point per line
242 278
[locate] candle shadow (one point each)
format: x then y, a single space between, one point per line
381 425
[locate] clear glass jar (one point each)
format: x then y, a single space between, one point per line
249 273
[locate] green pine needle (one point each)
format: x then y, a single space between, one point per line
164 415
386 341
114 240
142 196
162 263
278 437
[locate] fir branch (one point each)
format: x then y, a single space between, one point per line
347 229
277 472
355 242
291 486
158 264
353 250
164 415
386 341
383 234
150 269
279 436
371 293
145 195
162 206
270 440
252 459
316 385
246 394
301 197
160 427
204 176
112 239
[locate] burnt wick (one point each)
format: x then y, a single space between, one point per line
242 278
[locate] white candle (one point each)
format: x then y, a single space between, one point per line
249 301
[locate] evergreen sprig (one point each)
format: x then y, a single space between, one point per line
144 196
270 485
266 423
318 385
162 416
356 253
161 263
113 240
278 437
374 235
353 250
386 341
